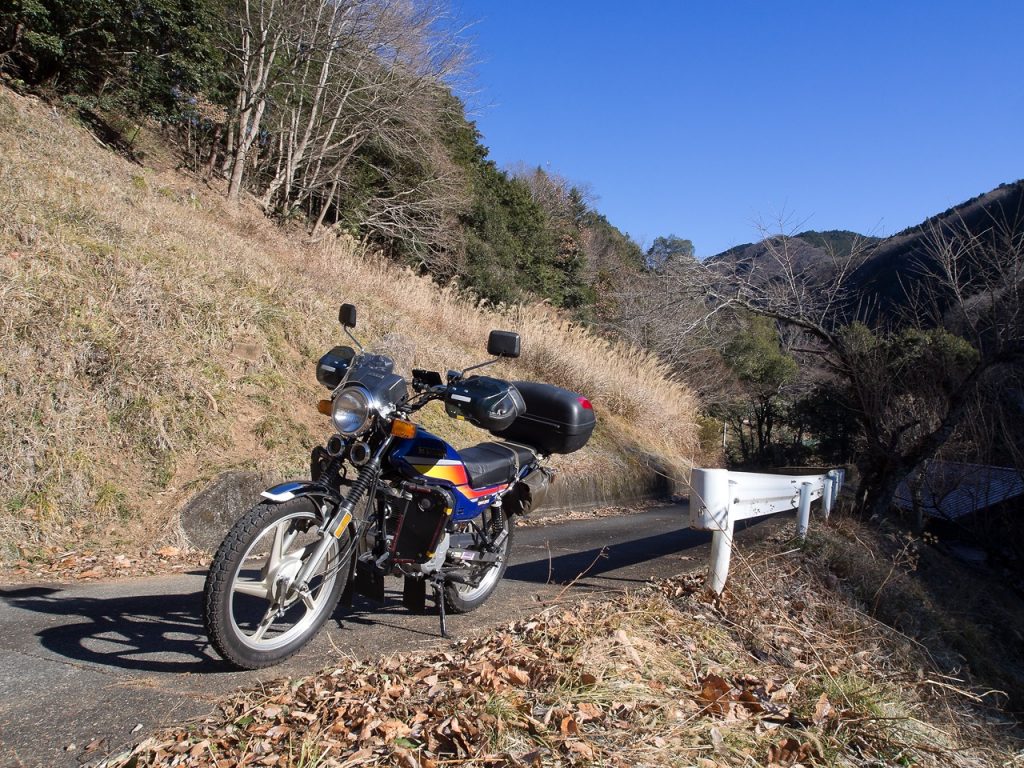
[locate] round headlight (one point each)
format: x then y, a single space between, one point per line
350 411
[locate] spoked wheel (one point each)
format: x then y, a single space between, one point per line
250 616
463 598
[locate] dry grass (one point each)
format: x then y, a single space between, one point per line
967 619
152 337
782 671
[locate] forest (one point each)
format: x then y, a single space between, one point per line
341 118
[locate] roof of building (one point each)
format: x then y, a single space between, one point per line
952 489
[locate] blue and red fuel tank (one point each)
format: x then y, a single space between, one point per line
429 460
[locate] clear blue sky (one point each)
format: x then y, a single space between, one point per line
700 118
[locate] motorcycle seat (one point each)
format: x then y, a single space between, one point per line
490 464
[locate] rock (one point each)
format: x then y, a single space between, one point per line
211 512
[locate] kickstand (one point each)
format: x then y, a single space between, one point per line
438 585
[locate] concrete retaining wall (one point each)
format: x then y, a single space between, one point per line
206 518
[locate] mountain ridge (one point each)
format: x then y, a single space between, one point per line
888 266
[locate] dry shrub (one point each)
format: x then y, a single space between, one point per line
152 336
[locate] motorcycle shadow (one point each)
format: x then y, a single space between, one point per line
149 633
143 633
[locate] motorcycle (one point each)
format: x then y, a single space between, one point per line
388 498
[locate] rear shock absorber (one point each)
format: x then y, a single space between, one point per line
497 521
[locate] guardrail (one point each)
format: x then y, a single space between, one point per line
719 498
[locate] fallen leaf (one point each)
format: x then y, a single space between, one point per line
582 749
822 710
569 726
715 691
750 702
626 642
278 731
516 675
790 752
717 740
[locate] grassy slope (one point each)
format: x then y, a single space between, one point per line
152 337
782 670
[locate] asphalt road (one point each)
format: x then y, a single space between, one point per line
107 663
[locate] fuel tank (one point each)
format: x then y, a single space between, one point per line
429 460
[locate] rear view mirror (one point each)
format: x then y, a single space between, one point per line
347 315
503 344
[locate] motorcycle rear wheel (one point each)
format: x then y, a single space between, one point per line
463 598
247 619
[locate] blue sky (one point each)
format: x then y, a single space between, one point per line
701 119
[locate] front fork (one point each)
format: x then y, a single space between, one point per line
335 527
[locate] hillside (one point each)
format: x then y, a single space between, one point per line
154 336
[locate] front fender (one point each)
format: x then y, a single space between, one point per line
295 489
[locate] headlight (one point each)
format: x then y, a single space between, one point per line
351 411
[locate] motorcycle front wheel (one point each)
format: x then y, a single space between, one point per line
248 617
463 598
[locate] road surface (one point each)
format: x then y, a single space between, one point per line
107 663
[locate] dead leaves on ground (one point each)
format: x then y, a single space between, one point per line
664 676
52 564
412 710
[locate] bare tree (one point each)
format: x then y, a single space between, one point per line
264 29
318 82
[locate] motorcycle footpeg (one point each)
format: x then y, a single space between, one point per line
369 580
473 555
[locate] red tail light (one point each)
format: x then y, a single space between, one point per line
585 403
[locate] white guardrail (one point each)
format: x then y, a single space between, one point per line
718 498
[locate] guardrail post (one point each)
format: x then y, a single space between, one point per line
826 495
804 511
710 499
721 554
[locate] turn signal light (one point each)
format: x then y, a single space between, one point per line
324 406
403 429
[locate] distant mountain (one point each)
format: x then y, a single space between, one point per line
880 285
899 261
811 253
